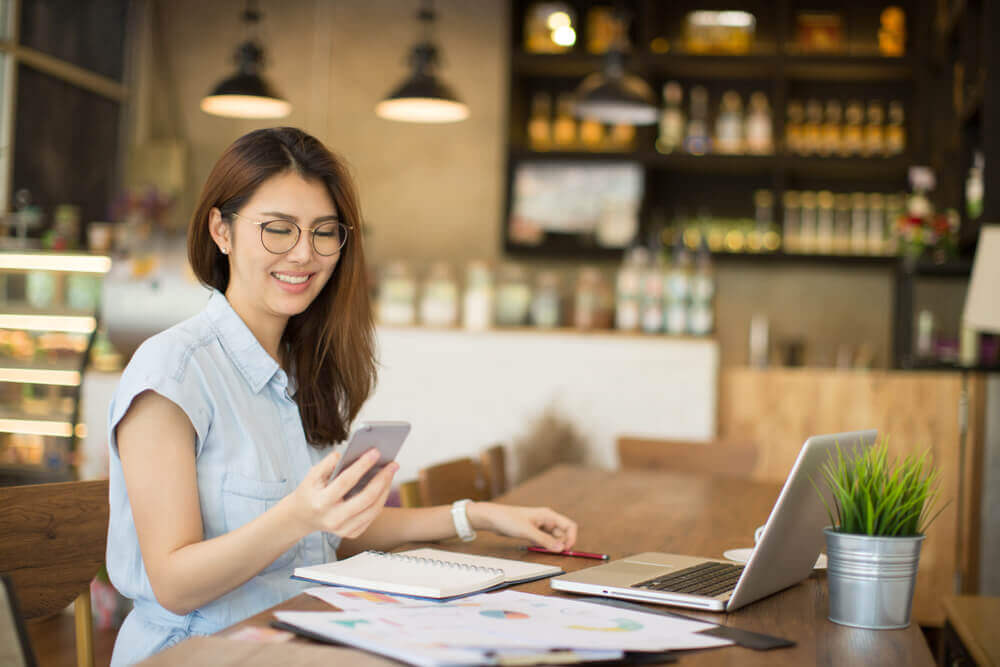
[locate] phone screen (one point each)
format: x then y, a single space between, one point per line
386 437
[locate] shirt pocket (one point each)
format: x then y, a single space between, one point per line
245 499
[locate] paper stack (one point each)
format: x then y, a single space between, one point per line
498 628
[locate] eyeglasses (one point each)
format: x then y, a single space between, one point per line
279 236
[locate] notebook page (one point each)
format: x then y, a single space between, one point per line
407 576
514 570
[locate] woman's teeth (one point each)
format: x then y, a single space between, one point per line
294 280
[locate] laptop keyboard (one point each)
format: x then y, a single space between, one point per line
708 579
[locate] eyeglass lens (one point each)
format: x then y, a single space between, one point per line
279 236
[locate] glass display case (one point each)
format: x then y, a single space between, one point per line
49 304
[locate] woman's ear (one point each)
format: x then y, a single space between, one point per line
220 230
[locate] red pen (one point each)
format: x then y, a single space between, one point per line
577 554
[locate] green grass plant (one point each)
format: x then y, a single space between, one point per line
875 496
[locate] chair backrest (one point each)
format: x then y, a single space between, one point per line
716 458
15 649
409 494
494 462
53 541
447 482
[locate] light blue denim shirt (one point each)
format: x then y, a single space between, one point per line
250 451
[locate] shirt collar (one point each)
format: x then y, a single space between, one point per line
247 354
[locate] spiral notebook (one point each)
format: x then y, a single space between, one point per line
425 573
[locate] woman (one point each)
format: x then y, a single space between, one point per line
221 424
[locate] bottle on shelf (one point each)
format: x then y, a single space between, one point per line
540 123
759 140
513 297
807 223
859 223
590 300
874 135
591 134
812 131
628 289
653 278
678 291
671 136
397 295
853 139
876 224
701 315
477 302
895 132
439 300
791 225
974 187
729 125
833 120
696 139
564 128
546 308
842 224
824 222
763 214
622 136
795 117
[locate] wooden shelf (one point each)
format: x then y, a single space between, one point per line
820 67
824 167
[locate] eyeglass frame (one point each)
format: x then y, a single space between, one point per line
261 224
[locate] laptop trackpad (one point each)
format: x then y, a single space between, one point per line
620 573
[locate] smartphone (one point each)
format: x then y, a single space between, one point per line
386 437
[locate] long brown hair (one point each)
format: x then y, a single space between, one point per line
331 345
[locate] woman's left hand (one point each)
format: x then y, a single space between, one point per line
540 525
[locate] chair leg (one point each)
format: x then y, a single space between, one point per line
84 630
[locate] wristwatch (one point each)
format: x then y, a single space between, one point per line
461 519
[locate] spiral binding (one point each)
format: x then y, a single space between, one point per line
419 560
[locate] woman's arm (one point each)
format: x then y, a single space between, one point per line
396 526
156 446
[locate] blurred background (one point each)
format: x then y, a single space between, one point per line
698 221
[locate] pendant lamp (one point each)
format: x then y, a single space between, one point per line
246 94
423 98
614 96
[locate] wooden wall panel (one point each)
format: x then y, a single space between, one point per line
778 409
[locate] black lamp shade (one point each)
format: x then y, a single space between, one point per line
422 98
246 94
617 99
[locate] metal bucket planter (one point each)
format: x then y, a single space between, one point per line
871 579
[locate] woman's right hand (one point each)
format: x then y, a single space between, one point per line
318 503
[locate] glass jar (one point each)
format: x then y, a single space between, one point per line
439 301
477 302
545 304
397 295
513 297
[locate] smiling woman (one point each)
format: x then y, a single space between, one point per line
220 430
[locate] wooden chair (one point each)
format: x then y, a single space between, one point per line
54 539
15 648
726 459
494 463
409 494
447 482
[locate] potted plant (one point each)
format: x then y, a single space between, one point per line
880 510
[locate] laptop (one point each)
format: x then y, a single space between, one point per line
785 554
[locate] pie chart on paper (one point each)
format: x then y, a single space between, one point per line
502 614
620 625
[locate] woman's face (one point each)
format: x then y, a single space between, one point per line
280 285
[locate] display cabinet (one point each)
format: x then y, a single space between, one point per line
49 304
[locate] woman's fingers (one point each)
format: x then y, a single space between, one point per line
345 481
321 471
361 510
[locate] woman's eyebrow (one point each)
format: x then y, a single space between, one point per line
287 216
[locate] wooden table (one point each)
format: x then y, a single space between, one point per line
620 513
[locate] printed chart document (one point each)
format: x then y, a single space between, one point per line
425 573
505 621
